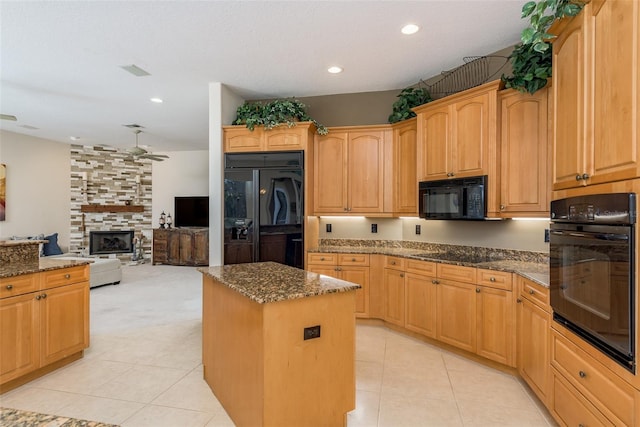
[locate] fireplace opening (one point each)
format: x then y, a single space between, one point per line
110 242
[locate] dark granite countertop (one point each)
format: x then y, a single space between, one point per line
268 282
44 264
16 417
530 269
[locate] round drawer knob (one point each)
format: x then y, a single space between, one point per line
582 374
531 291
477 290
353 260
434 281
492 279
9 287
321 258
578 177
67 276
393 263
401 274
519 301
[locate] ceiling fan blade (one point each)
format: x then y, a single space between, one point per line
153 157
8 117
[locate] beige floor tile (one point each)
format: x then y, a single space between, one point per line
37 399
160 416
497 389
366 412
100 409
83 376
220 419
370 344
368 376
140 384
402 411
455 362
191 392
420 384
479 414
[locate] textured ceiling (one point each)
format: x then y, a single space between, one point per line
60 60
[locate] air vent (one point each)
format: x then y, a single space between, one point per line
135 70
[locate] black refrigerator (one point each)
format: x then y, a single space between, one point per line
264 207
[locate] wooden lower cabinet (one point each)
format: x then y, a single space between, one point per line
533 342
496 325
181 246
45 326
456 314
350 267
570 408
421 304
394 296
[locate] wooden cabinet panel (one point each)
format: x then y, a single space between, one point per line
425 268
470 136
457 272
64 276
496 325
173 247
353 259
329 173
160 246
190 246
394 296
405 189
395 262
322 258
201 247
495 279
456 314
533 349
19 328
18 285
524 146
359 275
64 314
285 138
434 140
420 304
240 139
365 169
570 408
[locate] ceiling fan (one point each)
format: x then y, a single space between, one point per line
141 153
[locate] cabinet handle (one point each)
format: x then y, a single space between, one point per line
492 279
518 300
477 290
401 274
37 297
393 263
585 176
9 287
67 276
578 177
531 291
322 258
502 207
582 374
43 296
434 281
353 260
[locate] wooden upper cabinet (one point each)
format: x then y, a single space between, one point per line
595 105
405 182
457 135
524 147
240 139
350 169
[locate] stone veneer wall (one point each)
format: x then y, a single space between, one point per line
111 180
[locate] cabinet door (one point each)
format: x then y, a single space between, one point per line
365 171
533 348
613 31
404 169
160 251
456 314
568 98
420 297
285 138
496 325
19 345
186 243
241 139
571 408
394 296
329 173
173 247
434 139
470 136
524 142
327 270
201 247
359 275
64 320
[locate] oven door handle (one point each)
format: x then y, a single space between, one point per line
595 236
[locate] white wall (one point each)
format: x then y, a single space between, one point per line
38 186
184 173
505 234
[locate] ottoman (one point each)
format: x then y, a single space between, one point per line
103 271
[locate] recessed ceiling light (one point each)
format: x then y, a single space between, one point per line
156 100
410 29
335 69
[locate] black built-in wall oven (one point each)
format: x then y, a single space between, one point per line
591 255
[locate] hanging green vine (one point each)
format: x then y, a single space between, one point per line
407 99
531 59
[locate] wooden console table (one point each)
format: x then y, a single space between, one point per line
181 246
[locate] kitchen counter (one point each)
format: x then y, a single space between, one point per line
278 344
530 266
44 264
269 282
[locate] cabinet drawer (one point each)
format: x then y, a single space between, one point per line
353 259
322 258
572 408
535 293
421 267
18 285
64 276
458 273
397 263
495 279
603 388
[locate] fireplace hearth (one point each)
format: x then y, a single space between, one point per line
110 242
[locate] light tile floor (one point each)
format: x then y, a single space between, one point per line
143 368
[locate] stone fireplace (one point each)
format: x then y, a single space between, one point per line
110 242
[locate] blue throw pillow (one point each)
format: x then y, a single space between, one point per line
52 247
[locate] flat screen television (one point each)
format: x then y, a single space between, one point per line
191 211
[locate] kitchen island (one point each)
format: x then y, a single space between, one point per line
279 344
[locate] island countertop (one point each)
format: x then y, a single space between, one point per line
268 282
43 264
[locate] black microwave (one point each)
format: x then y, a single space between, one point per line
458 198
